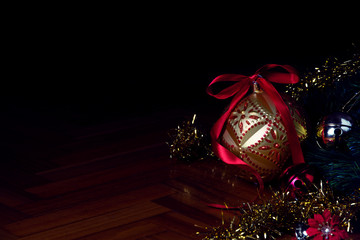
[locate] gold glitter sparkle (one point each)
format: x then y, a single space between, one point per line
331 71
279 214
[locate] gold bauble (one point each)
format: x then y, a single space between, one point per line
254 132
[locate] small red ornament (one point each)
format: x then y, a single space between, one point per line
298 179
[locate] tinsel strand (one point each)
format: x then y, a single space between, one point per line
280 214
331 71
188 143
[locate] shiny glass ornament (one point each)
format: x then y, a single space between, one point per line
332 129
255 133
298 179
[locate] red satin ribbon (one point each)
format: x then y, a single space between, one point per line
263 76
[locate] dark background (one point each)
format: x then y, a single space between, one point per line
127 74
95 67
69 72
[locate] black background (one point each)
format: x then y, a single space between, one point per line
94 66
70 67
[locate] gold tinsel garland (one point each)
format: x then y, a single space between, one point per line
188 143
279 214
324 76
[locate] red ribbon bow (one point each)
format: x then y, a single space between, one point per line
263 76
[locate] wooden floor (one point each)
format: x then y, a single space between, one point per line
112 180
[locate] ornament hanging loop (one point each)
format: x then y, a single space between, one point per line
255 84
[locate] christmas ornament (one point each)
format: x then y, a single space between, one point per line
333 129
298 179
255 133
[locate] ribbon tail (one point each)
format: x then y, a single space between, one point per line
289 77
241 82
294 144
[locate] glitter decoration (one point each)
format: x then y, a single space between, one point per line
281 213
188 143
333 70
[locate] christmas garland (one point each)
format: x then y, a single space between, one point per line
327 210
282 214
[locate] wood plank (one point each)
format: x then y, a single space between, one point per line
131 231
95 178
105 162
179 223
178 206
19 177
86 210
102 191
4 235
169 235
9 215
211 194
14 197
195 203
216 178
100 223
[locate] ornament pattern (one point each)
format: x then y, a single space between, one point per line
254 132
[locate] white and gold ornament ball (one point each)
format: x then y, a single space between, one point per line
255 133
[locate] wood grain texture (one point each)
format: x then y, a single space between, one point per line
113 181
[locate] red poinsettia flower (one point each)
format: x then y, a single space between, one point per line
326 227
